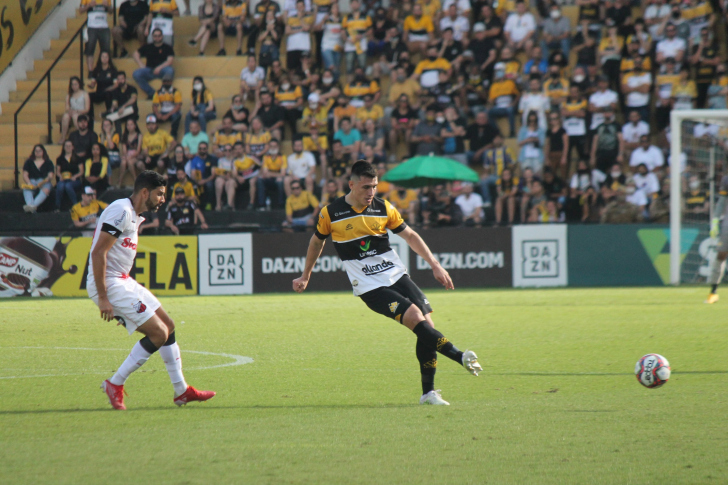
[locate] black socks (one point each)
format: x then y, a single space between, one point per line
437 341
429 342
714 288
428 365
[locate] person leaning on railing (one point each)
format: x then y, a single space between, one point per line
38 174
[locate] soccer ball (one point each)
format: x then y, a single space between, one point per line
652 370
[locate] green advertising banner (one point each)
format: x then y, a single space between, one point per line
623 255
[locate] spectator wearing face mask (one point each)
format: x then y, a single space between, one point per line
203 105
614 183
556 32
503 98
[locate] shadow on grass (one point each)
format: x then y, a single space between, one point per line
11 412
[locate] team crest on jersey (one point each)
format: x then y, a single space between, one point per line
376 226
139 307
393 306
349 227
117 222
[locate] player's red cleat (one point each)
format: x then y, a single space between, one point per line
115 394
192 394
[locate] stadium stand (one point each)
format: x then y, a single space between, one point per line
482 63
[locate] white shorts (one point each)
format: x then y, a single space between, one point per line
418 38
133 304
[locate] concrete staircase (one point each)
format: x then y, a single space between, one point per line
221 76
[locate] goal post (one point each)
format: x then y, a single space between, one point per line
686 156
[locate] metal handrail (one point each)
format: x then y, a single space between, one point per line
46 77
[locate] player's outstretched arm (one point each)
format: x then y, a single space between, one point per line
420 247
315 246
98 259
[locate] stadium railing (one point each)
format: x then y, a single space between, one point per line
47 78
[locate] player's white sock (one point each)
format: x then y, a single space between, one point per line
717 270
137 357
170 354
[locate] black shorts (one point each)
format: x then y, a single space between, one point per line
393 301
129 32
153 159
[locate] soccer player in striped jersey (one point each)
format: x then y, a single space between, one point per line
357 224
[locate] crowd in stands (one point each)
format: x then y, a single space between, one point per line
565 117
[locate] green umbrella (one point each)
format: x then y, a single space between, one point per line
430 170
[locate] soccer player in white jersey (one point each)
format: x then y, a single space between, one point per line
357 224
717 266
120 297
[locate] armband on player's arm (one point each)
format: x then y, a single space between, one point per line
399 228
110 230
319 235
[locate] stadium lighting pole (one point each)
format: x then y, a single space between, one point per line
676 148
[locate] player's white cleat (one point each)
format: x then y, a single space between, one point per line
434 398
470 362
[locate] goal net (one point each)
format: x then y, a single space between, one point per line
698 146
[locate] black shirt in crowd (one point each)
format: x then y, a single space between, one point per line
404 118
122 94
452 51
481 136
104 78
133 14
271 115
82 143
38 173
182 216
556 139
67 166
155 55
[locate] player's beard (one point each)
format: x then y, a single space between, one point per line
151 206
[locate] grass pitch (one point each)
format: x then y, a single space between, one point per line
332 394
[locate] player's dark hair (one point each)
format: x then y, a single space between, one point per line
148 179
362 168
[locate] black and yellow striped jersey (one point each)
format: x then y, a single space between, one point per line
288 97
362 243
220 138
234 9
262 8
356 90
423 26
257 143
83 213
167 98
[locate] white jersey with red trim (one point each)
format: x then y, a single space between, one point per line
120 221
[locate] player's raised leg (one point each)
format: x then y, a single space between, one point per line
429 342
170 354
